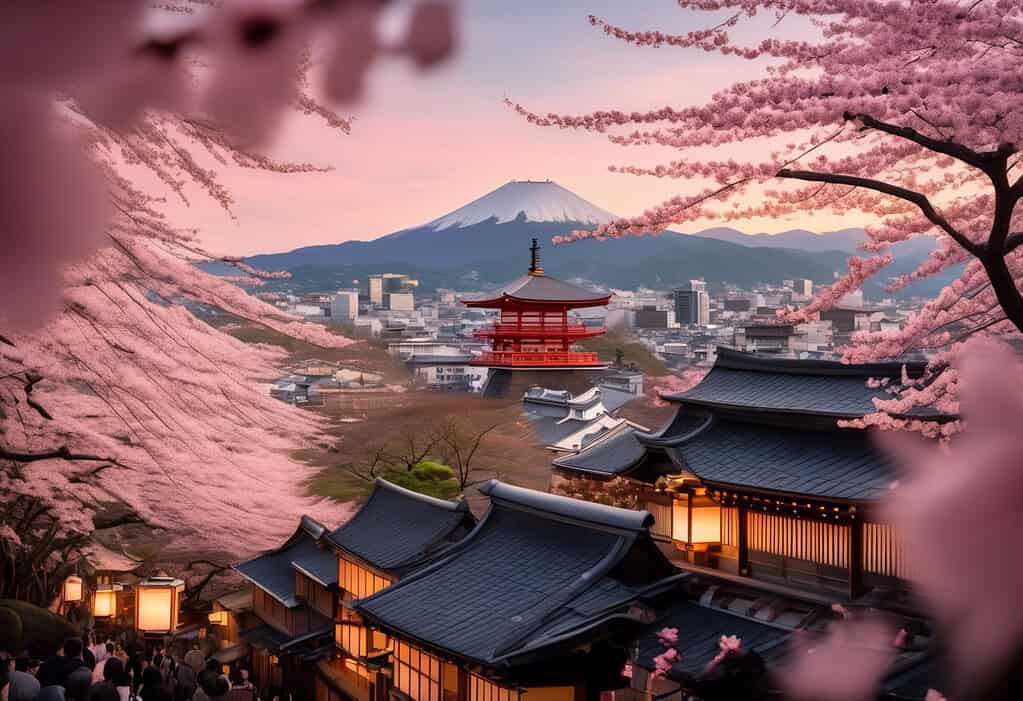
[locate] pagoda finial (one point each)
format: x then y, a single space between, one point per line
534 257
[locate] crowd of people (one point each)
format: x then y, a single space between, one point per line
119 670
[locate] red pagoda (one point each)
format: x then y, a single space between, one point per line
534 332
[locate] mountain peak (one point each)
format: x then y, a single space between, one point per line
537 200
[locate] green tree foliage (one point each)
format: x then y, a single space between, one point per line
427 477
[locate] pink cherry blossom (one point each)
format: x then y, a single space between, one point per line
116 388
974 607
897 115
845 665
665 661
668 637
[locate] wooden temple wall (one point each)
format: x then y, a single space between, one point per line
883 553
802 539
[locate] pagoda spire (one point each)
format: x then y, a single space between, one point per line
534 257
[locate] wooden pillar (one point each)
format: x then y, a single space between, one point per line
856 587
743 542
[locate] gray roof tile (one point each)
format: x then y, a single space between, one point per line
613 455
274 573
840 464
536 566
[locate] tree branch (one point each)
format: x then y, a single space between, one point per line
919 199
981 161
61 453
31 379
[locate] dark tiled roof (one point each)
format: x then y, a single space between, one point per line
321 566
541 288
536 567
614 455
625 448
699 630
274 573
781 385
550 430
397 528
840 464
614 398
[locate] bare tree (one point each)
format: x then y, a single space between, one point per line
447 440
462 446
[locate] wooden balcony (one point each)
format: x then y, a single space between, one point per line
537 360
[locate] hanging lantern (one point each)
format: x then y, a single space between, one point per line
696 518
72 590
218 618
104 601
157 601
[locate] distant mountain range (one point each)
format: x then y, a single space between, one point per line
486 242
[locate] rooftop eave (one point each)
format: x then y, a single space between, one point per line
505 299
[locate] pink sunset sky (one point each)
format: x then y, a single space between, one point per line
425 144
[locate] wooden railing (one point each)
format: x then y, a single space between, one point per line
539 330
523 359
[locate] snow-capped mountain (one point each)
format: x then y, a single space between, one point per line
487 241
537 200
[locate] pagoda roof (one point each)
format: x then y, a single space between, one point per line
397 529
538 570
748 382
532 287
840 464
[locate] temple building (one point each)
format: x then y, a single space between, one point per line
771 506
301 631
542 601
753 476
531 342
292 617
395 532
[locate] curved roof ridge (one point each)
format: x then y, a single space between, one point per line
664 438
584 512
586 580
731 359
381 483
397 528
311 526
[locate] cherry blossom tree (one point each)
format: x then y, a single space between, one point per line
901 113
118 405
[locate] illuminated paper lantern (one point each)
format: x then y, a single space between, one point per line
157 602
104 601
697 513
72 590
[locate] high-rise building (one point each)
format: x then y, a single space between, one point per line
692 304
381 285
803 287
344 306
